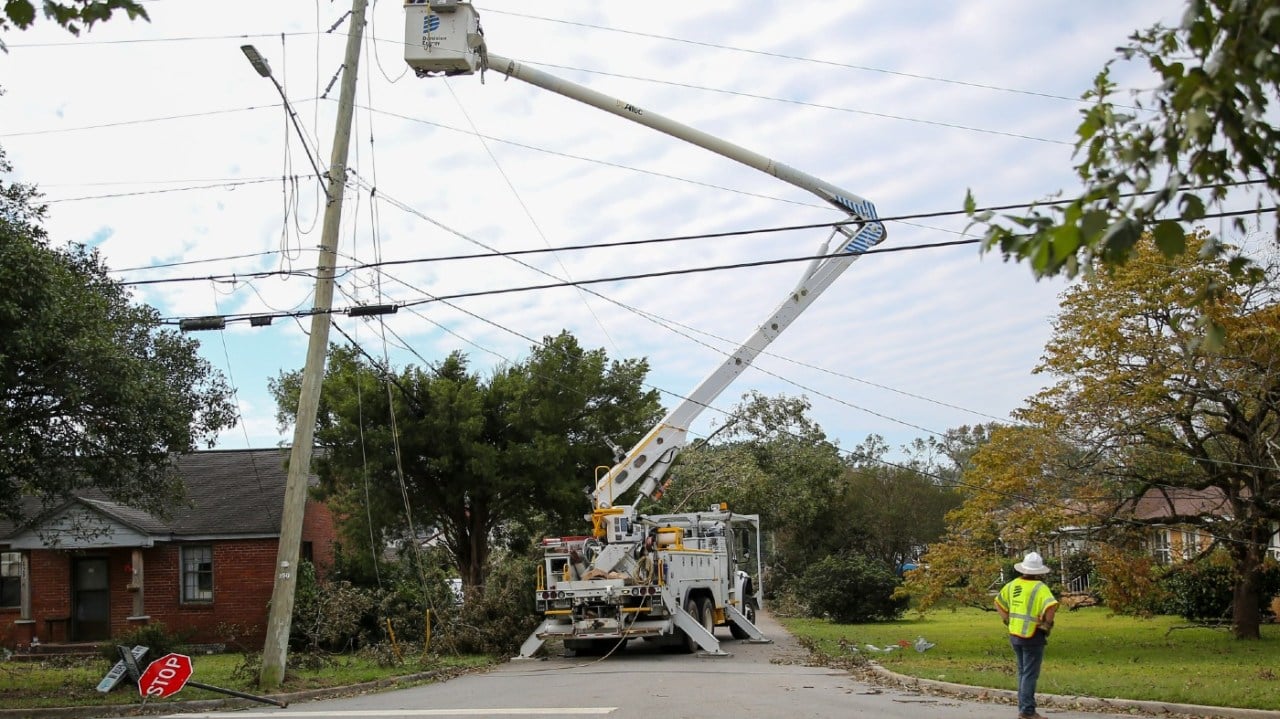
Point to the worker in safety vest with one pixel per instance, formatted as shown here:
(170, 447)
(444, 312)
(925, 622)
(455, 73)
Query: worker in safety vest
(1027, 606)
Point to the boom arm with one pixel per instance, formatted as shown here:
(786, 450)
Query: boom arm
(444, 37)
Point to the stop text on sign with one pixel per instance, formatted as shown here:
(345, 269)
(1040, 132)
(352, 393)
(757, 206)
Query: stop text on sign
(165, 676)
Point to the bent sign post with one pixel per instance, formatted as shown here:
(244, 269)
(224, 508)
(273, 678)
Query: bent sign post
(167, 676)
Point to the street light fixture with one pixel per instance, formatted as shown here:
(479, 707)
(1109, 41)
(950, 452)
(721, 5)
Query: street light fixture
(257, 60)
(260, 64)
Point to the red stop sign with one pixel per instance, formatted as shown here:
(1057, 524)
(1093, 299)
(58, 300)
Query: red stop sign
(165, 676)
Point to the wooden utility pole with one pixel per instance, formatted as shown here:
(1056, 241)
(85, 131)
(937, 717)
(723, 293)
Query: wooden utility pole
(276, 650)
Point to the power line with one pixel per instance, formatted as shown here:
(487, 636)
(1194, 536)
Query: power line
(870, 113)
(650, 275)
(162, 191)
(198, 262)
(342, 271)
(605, 245)
(783, 56)
(146, 120)
(631, 243)
(603, 280)
(183, 181)
(141, 40)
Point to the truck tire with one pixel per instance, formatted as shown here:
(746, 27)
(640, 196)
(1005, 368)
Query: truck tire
(707, 616)
(748, 611)
(694, 608)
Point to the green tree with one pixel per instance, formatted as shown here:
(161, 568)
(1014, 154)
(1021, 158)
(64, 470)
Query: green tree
(948, 457)
(1020, 488)
(768, 458)
(443, 451)
(1152, 406)
(890, 511)
(851, 589)
(74, 15)
(1159, 163)
(93, 393)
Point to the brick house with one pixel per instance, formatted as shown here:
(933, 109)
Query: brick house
(1169, 539)
(91, 569)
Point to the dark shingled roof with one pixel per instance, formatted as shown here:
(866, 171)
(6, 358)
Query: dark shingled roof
(232, 491)
(238, 491)
(1173, 503)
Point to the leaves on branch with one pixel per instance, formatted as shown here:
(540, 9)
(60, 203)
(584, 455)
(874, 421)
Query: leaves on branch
(1204, 134)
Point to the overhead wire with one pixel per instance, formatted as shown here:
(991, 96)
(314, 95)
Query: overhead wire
(82, 42)
(202, 261)
(817, 105)
(235, 395)
(528, 214)
(784, 56)
(373, 32)
(146, 120)
(677, 238)
(645, 275)
(174, 181)
(228, 185)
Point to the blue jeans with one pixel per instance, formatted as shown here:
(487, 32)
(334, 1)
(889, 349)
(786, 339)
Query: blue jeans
(1029, 657)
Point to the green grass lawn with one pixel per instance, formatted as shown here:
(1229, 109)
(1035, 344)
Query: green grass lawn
(1091, 653)
(63, 683)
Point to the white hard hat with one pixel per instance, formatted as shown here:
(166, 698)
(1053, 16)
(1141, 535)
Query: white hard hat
(1031, 564)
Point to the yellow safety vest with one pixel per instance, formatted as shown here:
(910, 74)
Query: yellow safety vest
(1025, 600)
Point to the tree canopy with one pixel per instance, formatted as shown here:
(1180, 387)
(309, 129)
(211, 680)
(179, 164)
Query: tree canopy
(73, 15)
(895, 509)
(443, 452)
(1165, 159)
(823, 510)
(1156, 407)
(768, 458)
(93, 392)
(1140, 402)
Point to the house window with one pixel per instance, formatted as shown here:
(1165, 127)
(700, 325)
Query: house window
(10, 579)
(1160, 546)
(1190, 544)
(197, 574)
(305, 552)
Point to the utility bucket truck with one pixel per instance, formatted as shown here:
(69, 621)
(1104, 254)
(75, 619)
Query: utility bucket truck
(666, 578)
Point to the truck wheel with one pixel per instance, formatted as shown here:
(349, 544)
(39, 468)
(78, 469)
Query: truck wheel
(708, 615)
(694, 609)
(748, 611)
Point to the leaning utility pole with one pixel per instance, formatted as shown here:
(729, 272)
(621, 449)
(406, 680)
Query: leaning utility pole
(275, 651)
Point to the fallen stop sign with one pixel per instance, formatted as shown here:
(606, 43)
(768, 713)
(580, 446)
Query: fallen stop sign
(165, 676)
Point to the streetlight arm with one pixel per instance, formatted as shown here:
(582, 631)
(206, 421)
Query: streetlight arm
(264, 69)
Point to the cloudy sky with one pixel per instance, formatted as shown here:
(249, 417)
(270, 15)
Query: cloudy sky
(158, 144)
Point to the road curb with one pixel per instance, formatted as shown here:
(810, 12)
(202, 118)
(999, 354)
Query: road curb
(209, 705)
(1063, 701)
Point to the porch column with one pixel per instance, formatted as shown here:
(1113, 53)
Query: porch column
(136, 587)
(24, 584)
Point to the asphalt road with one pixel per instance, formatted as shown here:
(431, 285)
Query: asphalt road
(757, 680)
